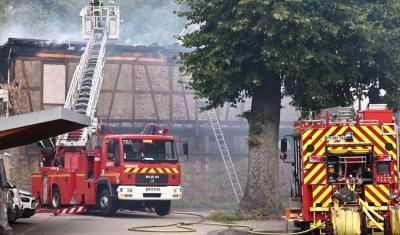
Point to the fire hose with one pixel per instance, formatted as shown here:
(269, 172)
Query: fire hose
(183, 227)
(368, 209)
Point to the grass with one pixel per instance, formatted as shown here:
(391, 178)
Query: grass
(203, 203)
(229, 217)
(223, 216)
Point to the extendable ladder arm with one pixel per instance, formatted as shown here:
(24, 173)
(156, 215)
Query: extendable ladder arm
(86, 83)
(85, 89)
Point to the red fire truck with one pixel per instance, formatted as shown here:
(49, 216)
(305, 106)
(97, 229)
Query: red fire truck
(345, 177)
(125, 172)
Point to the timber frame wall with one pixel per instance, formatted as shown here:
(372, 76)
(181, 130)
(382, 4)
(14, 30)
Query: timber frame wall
(140, 86)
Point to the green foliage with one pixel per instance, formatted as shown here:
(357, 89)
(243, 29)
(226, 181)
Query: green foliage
(256, 129)
(260, 212)
(320, 49)
(245, 114)
(252, 141)
(329, 47)
(223, 216)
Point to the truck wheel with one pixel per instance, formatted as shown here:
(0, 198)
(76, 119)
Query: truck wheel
(386, 226)
(107, 206)
(56, 198)
(162, 208)
(327, 231)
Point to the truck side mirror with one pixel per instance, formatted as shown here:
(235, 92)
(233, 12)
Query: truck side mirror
(185, 148)
(284, 145)
(110, 146)
(110, 149)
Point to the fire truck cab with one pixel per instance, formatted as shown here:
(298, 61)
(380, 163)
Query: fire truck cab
(130, 172)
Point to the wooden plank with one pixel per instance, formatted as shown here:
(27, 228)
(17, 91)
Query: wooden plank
(170, 92)
(151, 91)
(27, 85)
(133, 92)
(114, 91)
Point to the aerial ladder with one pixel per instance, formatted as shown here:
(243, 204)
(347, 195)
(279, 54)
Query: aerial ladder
(86, 83)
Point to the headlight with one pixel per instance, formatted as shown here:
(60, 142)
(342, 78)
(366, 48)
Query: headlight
(129, 190)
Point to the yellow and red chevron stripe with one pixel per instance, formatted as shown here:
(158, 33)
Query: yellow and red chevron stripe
(342, 149)
(315, 173)
(321, 197)
(377, 194)
(151, 170)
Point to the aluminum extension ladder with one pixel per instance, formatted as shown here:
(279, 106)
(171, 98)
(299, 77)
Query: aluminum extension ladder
(226, 157)
(85, 89)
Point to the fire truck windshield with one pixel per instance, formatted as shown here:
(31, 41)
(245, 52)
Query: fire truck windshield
(152, 150)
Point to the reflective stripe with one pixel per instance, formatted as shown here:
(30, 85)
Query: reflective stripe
(54, 147)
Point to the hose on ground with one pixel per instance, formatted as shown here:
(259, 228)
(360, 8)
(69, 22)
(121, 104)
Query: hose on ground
(183, 227)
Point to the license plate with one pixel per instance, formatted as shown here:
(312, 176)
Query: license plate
(153, 189)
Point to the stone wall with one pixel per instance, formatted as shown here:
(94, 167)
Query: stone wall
(202, 177)
(208, 179)
(19, 167)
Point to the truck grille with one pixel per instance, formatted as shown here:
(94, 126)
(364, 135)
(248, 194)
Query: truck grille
(148, 178)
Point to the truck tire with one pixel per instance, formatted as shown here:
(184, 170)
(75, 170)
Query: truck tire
(56, 198)
(386, 226)
(107, 206)
(162, 208)
(327, 226)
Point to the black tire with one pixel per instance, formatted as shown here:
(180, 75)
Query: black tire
(107, 206)
(162, 208)
(327, 231)
(56, 198)
(386, 226)
(365, 230)
(305, 226)
(11, 221)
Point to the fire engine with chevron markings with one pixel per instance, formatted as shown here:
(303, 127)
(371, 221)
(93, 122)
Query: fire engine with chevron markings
(345, 176)
(130, 171)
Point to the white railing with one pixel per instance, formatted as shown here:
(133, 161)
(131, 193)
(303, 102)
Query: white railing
(77, 78)
(97, 79)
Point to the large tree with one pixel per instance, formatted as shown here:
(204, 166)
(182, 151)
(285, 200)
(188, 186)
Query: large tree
(318, 50)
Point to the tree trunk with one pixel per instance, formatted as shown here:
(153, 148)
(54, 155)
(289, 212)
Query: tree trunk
(262, 188)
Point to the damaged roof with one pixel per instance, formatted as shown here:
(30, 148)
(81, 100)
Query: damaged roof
(29, 128)
(28, 47)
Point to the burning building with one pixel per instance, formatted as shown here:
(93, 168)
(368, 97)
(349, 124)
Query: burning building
(141, 85)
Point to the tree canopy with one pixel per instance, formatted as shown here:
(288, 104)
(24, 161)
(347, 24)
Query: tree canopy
(322, 53)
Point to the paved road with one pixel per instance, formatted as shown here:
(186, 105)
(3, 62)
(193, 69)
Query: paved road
(93, 223)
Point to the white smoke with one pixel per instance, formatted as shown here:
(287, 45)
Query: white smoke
(144, 24)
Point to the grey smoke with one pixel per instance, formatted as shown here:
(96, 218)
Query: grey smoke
(143, 22)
